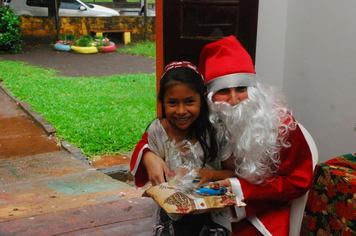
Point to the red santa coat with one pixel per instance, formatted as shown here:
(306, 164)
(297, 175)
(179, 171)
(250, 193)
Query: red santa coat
(138, 170)
(268, 205)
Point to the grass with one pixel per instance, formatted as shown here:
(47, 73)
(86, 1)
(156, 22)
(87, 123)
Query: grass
(100, 115)
(144, 48)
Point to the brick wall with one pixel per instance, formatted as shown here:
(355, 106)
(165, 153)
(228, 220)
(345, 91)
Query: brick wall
(43, 29)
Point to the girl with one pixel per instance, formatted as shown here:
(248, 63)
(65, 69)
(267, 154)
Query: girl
(185, 118)
(184, 113)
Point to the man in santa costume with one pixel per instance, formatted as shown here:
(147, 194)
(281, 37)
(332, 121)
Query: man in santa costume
(272, 158)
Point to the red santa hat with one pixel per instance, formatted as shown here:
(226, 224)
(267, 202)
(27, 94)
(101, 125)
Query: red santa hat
(225, 64)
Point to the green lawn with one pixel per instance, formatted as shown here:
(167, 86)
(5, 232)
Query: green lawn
(100, 115)
(145, 48)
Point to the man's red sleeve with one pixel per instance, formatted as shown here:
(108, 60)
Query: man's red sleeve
(137, 169)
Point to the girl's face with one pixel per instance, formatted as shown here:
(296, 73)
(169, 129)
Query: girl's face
(182, 106)
(233, 96)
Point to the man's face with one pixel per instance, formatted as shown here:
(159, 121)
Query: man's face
(233, 96)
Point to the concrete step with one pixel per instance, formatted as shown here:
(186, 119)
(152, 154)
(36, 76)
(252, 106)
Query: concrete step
(127, 217)
(56, 194)
(115, 166)
(52, 182)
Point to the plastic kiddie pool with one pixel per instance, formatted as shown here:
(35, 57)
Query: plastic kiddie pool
(109, 48)
(61, 47)
(84, 50)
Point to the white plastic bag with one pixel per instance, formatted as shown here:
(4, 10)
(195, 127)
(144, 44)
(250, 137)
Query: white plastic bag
(184, 164)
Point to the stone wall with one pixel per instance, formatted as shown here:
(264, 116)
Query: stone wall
(43, 29)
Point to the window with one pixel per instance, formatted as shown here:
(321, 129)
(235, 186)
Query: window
(38, 3)
(74, 5)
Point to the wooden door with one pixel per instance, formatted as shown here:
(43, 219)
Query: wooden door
(188, 25)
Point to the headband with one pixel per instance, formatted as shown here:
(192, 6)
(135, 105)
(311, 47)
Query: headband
(184, 64)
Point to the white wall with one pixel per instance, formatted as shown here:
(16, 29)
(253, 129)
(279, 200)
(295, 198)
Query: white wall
(308, 49)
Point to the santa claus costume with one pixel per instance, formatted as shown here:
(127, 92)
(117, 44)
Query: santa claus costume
(272, 157)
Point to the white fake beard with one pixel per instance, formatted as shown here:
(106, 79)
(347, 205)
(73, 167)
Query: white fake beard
(250, 129)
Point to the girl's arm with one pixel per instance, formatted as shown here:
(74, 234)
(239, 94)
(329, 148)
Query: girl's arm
(209, 175)
(228, 164)
(146, 165)
(156, 168)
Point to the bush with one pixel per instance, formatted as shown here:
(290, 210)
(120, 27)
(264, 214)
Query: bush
(85, 41)
(10, 37)
(69, 37)
(101, 41)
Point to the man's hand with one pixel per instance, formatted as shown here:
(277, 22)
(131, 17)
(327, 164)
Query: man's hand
(226, 183)
(156, 168)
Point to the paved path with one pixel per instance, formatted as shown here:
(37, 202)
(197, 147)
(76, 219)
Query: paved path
(76, 65)
(46, 189)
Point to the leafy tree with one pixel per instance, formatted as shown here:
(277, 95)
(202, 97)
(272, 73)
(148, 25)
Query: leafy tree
(10, 36)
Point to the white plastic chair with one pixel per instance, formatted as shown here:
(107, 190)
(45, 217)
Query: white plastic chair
(298, 205)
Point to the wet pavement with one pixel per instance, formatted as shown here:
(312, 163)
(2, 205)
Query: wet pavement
(49, 188)
(77, 64)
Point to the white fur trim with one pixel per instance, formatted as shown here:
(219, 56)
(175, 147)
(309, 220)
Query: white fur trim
(236, 189)
(138, 161)
(232, 80)
(259, 225)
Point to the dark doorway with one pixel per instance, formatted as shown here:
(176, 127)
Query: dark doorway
(188, 25)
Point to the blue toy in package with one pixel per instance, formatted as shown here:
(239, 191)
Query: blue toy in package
(211, 189)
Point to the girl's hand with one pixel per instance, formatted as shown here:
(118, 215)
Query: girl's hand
(205, 176)
(156, 168)
(226, 183)
(209, 175)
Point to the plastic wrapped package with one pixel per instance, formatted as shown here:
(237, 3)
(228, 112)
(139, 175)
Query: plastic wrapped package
(180, 194)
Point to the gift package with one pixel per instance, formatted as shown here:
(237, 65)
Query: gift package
(180, 194)
(183, 201)
(331, 205)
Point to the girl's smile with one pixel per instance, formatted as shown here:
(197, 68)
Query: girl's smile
(182, 107)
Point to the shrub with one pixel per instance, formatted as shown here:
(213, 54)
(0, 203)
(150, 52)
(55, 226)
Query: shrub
(68, 37)
(10, 37)
(85, 41)
(101, 41)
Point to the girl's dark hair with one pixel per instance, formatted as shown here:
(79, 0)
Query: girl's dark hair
(201, 129)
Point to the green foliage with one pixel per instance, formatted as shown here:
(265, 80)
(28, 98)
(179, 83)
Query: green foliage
(101, 41)
(144, 48)
(10, 37)
(99, 115)
(86, 41)
(69, 37)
